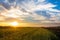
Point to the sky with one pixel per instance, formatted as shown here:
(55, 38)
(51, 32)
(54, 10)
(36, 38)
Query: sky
(34, 11)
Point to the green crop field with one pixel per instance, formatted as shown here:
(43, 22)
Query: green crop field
(26, 33)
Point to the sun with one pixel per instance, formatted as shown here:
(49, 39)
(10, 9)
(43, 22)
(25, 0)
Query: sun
(14, 24)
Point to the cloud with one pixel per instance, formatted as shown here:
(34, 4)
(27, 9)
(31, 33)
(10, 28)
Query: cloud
(34, 10)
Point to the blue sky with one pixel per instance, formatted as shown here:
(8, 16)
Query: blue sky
(42, 11)
(56, 2)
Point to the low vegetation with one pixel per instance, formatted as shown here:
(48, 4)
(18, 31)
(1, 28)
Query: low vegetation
(26, 33)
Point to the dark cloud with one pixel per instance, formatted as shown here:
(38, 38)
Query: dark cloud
(43, 13)
(11, 1)
(6, 5)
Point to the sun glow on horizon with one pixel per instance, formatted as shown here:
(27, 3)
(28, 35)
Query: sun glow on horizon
(14, 24)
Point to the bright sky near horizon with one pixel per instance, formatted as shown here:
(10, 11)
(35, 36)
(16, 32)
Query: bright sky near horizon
(36, 11)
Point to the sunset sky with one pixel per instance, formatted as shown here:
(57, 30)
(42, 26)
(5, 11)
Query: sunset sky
(30, 11)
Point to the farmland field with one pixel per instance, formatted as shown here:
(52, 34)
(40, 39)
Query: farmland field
(26, 33)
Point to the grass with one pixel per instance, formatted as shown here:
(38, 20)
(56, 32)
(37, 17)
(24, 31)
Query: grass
(26, 33)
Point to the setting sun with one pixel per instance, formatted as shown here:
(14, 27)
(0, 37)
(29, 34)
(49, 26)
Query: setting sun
(14, 24)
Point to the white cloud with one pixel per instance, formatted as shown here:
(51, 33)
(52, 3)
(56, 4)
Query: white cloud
(29, 9)
(38, 17)
(40, 0)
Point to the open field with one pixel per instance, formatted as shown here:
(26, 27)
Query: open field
(27, 33)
